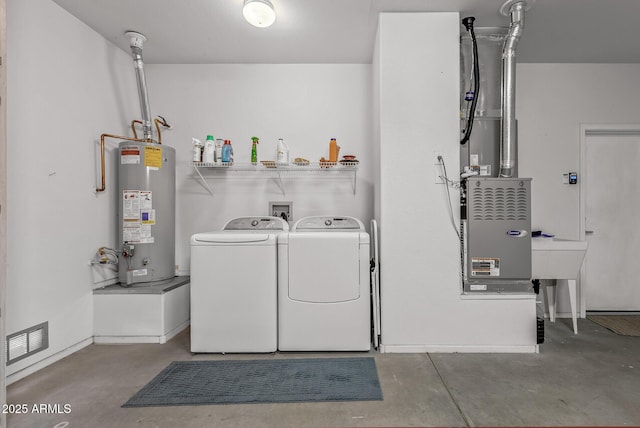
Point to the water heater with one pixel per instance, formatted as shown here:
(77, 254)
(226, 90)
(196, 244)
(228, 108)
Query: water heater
(146, 231)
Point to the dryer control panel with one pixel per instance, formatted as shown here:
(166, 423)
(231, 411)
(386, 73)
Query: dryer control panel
(256, 223)
(328, 223)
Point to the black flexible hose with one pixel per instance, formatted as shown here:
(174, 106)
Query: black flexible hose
(468, 23)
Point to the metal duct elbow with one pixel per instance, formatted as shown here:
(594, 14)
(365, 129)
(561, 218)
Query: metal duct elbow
(508, 128)
(136, 41)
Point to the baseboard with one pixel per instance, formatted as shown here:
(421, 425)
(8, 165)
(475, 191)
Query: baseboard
(498, 349)
(111, 340)
(125, 340)
(22, 373)
(175, 331)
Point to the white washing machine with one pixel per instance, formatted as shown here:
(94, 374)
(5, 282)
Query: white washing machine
(324, 288)
(234, 286)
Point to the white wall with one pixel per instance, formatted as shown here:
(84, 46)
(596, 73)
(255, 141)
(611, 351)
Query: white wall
(422, 307)
(553, 100)
(66, 86)
(419, 256)
(304, 104)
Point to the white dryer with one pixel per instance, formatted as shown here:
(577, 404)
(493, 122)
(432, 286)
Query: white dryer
(324, 289)
(234, 285)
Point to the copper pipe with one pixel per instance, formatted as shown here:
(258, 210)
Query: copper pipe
(161, 121)
(133, 127)
(156, 121)
(102, 166)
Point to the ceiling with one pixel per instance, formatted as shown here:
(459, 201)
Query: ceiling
(343, 31)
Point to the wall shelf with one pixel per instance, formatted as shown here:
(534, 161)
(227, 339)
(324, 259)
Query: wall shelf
(278, 172)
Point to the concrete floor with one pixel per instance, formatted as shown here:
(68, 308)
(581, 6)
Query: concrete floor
(589, 379)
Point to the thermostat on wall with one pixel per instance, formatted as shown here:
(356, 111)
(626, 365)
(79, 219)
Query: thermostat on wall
(570, 178)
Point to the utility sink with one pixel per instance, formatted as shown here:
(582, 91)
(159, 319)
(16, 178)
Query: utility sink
(553, 258)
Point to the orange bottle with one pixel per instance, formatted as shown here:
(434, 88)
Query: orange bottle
(334, 150)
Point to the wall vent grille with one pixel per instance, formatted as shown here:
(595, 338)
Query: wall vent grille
(27, 342)
(500, 203)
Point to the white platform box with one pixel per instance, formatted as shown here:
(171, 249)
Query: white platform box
(142, 313)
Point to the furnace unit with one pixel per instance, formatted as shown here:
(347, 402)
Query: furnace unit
(497, 235)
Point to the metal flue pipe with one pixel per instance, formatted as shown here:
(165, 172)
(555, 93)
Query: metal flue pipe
(136, 41)
(508, 130)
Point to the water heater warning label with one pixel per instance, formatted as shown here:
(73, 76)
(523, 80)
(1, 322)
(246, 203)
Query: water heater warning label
(485, 266)
(131, 205)
(148, 216)
(130, 155)
(146, 201)
(153, 157)
(138, 216)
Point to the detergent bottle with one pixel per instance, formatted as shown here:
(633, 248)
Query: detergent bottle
(227, 152)
(334, 150)
(209, 150)
(282, 153)
(254, 150)
(218, 152)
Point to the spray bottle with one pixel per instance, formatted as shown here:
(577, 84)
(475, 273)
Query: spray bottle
(254, 150)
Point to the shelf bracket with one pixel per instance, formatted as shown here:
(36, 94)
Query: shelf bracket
(354, 182)
(280, 183)
(204, 182)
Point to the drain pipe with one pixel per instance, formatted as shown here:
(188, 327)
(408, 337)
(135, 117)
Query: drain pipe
(136, 41)
(508, 130)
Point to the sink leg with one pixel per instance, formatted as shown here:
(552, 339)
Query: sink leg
(550, 291)
(572, 300)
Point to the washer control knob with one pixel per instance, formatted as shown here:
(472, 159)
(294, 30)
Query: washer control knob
(254, 223)
(327, 222)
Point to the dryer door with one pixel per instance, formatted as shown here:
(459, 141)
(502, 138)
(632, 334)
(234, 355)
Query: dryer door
(324, 267)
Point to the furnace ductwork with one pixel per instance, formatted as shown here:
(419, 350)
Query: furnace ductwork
(508, 127)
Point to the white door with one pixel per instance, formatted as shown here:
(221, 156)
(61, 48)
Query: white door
(612, 226)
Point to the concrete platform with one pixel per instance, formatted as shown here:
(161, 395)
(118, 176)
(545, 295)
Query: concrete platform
(144, 313)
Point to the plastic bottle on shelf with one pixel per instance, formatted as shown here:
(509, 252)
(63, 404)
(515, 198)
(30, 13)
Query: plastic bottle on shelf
(282, 153)
(334, 150)
(197, 150)
(209, 150)
(254, 150)
(218, 152)
(227, 152)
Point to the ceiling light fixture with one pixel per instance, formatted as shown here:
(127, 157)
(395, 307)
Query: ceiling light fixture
(259, 13)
